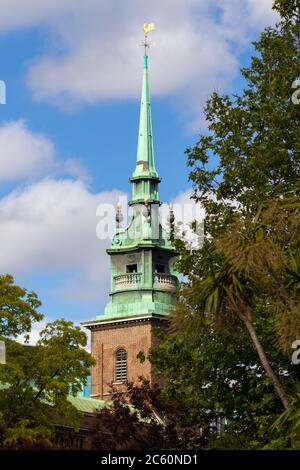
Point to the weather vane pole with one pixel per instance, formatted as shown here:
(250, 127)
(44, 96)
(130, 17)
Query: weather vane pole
(148, 28)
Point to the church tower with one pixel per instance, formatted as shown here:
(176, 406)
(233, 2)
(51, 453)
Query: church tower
(143, 281)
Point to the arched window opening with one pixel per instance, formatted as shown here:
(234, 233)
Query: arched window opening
(121, 365)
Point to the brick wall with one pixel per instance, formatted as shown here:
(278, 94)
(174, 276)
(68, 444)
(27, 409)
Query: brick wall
(133, 337)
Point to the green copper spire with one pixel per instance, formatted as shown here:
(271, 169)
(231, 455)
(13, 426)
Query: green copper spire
(145, 177)
(145, 153)
(143, 277)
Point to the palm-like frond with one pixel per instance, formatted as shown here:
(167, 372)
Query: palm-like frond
(290, 419)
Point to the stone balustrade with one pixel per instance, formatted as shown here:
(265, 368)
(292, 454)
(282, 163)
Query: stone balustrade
(165, 281)
(127, 281)
(133, 281)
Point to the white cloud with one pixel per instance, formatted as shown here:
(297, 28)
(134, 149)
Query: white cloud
(51, 227)
(23, 153)
(240, 20)
(24, 13)
(94, 54)
(89, 73)
(34, 335)
(38, 327)
(74, 168)
(186, 211)
(261, 12)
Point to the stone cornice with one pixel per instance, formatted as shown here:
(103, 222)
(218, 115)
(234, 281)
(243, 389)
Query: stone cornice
(99, 324)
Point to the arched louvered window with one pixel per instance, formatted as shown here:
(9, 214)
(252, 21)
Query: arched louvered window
(121, 365)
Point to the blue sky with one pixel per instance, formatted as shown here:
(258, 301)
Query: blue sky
(68, 132)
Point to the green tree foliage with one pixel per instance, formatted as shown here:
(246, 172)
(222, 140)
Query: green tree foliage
(140, 418)
(239, 310)
(252, 149)
(18, 308)
(254, 267)
(36, 380)
(265, 249)
(213, 374)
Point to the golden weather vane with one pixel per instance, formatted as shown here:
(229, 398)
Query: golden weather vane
(148, 28)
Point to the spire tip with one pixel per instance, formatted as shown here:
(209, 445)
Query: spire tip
(148, 28)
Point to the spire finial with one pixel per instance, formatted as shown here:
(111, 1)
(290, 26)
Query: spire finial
(148, 28)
